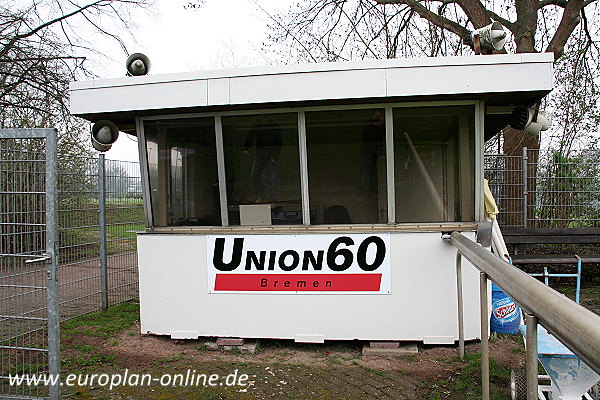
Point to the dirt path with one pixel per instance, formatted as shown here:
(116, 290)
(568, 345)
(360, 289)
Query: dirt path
(23, 293)
(284, 370)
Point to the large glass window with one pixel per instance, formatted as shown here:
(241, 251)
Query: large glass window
(434, 163)
(434, 167)
(182, 166)
(262, 166)
(346, 166)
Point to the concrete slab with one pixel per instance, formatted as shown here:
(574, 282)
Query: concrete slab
(248, 347)
(384, 345)
(230, 342)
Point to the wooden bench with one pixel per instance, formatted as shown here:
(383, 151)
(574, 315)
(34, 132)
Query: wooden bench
(551, 235)
(555, 259)
(523, 236)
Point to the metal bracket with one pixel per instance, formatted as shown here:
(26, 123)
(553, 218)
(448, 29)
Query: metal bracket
(484, 233)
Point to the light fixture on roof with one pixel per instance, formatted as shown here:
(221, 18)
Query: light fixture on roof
(137, 64)
(490, 37)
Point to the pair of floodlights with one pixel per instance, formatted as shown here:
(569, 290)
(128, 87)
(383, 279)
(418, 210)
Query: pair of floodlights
(105, 133)
(528, 119)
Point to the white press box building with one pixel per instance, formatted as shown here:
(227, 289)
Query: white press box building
(308, 202)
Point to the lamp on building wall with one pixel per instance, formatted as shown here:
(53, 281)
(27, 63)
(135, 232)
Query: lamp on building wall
(137, 64)
(530, 120)
(104, 134)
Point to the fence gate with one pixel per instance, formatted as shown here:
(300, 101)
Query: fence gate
(29, 341)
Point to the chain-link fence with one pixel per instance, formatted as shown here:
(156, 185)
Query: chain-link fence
(28, 301)
(98, 262)
(546, 191)
(99, 208)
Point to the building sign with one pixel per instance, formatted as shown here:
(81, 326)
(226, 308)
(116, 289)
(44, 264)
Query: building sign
(327, 263)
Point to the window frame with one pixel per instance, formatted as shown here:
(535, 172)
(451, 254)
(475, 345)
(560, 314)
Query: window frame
(479, 108)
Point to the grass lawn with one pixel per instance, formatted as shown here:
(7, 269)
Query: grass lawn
(80, 231)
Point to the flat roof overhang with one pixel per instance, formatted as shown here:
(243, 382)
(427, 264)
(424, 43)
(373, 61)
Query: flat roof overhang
(501, 80)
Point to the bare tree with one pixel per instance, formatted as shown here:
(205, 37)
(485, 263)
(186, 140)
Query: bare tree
(42, 48)
(521, 17)
(535, 26)
(331, 30)
(336, 30)
(575, 100)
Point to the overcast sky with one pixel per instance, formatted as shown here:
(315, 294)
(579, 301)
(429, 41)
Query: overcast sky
(221, 34)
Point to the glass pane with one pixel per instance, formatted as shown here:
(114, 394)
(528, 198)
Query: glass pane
(347, 166)
(182, 164)
(434, 163)
(262, 166)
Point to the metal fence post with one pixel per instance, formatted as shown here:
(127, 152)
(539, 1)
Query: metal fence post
(485, 349)
(525, 194)
(102, 223)
(459, 293)
(531, 356)
(52, 264)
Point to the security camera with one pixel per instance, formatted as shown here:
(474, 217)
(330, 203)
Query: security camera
(490, 37)
(104, 134)
(530, 120)
(137, 64)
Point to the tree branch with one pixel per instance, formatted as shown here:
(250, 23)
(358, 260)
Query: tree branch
(476, 12)
(569, 21)
(508, 24)
(35, 30)
(429, 15)
(287, 30)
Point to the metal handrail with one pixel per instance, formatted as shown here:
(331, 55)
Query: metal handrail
(575, 326)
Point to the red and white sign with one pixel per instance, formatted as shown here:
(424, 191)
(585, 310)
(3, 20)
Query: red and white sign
(327, 263)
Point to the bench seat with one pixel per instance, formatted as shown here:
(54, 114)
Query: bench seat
(554, 259)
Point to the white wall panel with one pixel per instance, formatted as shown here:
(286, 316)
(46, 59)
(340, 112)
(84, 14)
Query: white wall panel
(218, 92)
(308, 86)
(466, 79)
(148, 96)
(422, 307)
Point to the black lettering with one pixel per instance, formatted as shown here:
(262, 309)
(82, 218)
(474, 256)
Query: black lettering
(236, 255)
(301, 284)
(333, 252)
(275, 284)
(263, 283)
(286, 284)
(309, 257)
(272, 258)
(327, 283)
(295, 260)
(361, 255)
(315, 283)
(258, 263)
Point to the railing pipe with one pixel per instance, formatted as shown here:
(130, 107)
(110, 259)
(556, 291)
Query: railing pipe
(576, 327)
(459, 295)
(531, 356)
(485, 345)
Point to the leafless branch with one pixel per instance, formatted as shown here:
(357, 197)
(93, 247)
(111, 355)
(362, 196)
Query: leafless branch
(436, 19)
